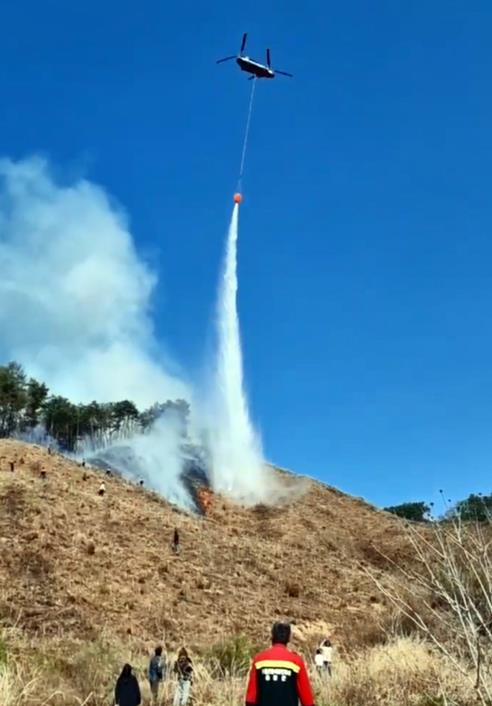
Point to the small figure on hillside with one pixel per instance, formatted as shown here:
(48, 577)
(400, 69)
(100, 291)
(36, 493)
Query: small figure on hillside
(85, 476)
(12, 466)
(83, 463)
(157, 672)
(49, 451)
(42, 473)
(319, 662)
(279, 676)
(102, 489)
(108, 472)
(141, 483)
(327, 653)
(127, 690)
(175, 544)
(183, 668)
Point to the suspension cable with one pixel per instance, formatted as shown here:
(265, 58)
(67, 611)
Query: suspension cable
(246, 135)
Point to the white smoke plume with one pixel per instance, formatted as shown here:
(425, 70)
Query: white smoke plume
(74, 294)
(75, 312)
(154, 457)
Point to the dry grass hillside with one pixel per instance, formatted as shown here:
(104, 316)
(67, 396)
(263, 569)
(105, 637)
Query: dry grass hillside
(76, 564)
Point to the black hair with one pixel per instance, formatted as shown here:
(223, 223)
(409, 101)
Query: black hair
(281, 633)
(126, 671)
(158, 651)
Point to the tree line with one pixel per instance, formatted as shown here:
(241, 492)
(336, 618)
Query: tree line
(477, 507)
(27, 404)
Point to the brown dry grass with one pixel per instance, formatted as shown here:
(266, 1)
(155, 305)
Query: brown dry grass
(404, 672)
(88, 583)
(75, 564)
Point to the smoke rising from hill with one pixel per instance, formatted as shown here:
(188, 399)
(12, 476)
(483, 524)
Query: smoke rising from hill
(75, 311)
(74, 294)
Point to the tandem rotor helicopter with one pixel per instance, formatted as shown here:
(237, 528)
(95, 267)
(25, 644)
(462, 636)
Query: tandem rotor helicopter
(257, 70)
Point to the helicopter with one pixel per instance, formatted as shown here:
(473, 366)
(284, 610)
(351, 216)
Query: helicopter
(247, 64)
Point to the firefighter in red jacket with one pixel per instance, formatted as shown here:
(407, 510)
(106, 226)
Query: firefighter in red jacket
(278, 676)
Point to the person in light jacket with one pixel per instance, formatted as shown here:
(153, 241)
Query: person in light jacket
(327, 651)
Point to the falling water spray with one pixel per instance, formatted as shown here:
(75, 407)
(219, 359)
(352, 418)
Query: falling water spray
(238, 468)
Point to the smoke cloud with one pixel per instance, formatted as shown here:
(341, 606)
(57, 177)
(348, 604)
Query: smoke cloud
(75, 312)
(74, 294)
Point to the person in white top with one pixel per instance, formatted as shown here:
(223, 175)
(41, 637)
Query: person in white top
(326, 649)
(319, 661)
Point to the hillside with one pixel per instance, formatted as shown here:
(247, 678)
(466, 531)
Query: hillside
(72, 562)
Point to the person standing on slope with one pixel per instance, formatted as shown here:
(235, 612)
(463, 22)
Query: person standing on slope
(175, 544)
(183, 668)
(279, 677)
(319, 662)
(157, 672)
(326, 649)
(127, 691)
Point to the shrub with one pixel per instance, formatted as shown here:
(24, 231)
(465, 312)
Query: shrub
(475, 508)
(231, 657)
(3, 652)
(416, 512)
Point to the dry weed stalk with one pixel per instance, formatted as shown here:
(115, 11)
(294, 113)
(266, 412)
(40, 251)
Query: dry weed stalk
(451, 599)
(402, 672)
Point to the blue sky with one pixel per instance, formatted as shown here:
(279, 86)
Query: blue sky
(365, 235)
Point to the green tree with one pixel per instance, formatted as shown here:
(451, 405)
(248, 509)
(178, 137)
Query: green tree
(36, 395)
(90, 419)
(12, 397)
(25, 404)
(416, 512)
(475, 508)
(123, 413)
(61, 419)
(180, 409)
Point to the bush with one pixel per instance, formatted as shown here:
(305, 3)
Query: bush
(3, 652)
(476, 508)
(416, 512)
(231, 657)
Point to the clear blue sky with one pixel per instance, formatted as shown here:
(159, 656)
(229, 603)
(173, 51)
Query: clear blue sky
(366, 234)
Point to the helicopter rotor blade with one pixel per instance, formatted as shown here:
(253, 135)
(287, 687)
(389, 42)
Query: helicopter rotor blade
(243, 43)
(269, 63)
(227, 58)
(284, 73)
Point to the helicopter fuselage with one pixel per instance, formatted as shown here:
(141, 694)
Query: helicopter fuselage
(253, 67)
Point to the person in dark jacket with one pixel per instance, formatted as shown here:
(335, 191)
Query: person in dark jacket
(157, 672)
(175, 544)
(278, 676)
(127, 691)
(183, 668)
